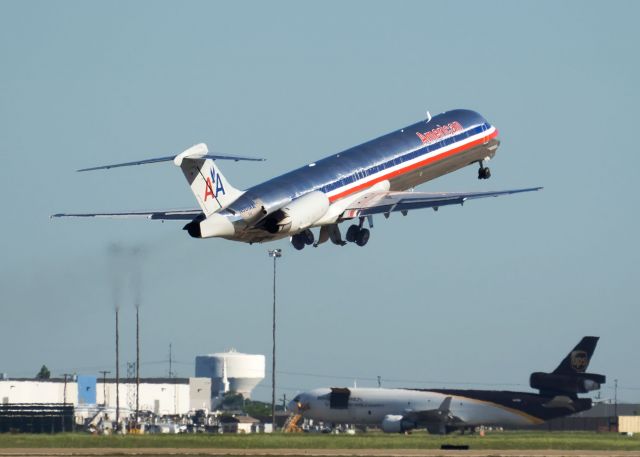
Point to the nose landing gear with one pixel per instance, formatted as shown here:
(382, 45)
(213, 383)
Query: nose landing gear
(483, 172)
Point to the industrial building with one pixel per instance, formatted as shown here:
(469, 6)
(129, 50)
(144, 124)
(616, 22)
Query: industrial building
(162, 396)
(216, 374)
(60, 404)
(85, 396)
(38, 391)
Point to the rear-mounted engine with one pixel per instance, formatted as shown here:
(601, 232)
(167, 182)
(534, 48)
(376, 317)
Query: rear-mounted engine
(579, 383)
(298, 215)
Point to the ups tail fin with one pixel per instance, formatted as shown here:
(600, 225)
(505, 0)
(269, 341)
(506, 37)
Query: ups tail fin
(577, 361)
(208, 184)
(570, 378)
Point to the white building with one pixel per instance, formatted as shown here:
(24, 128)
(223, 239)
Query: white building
(38, 391)
(163, 396)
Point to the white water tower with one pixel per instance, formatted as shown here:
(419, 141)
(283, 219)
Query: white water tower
(231, 371)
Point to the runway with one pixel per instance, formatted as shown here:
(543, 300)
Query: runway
(150, 452)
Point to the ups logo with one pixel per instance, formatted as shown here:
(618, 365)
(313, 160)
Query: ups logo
(579, 361)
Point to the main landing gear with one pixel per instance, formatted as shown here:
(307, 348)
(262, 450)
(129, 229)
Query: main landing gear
(355, 234)
(483, 172)
(302, 239)
(358, 234)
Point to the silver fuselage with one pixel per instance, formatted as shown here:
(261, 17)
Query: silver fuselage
(398, 161)
(369, 406)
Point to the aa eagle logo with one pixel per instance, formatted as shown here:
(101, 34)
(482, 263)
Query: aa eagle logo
(579, 361)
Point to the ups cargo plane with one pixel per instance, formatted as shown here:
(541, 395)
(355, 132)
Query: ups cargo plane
(352, 185)
(445, 410)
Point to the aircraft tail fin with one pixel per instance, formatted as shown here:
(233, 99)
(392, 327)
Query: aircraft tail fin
(211, 188)
(577, 361)
(208, 184)
(570, 377)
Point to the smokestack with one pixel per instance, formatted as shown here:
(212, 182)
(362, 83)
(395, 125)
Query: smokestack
(126, 261)
(137, 360)
(117, 373)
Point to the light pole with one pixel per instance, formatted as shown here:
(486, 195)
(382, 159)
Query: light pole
(275, 253)
(615, 396)
(104, 387)
(64, 401)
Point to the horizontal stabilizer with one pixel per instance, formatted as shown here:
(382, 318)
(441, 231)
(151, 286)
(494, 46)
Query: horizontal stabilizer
(177, 214)
(199, 147)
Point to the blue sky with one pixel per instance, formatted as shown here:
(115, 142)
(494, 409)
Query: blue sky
(480, 295)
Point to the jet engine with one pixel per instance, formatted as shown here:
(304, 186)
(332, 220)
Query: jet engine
(393, 423)
(212, 226)
(566, 383)
(298, 215)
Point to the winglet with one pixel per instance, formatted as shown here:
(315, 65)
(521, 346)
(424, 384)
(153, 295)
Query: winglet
(445, 406)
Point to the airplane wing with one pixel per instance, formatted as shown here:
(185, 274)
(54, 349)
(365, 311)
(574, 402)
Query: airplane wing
(435, 420)
(388, 202)
(177, 214)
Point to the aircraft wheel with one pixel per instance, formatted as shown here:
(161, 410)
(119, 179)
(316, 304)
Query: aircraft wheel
(297, 242)
(307, 237)
(352, 233)
(363, 237)
(484, 173)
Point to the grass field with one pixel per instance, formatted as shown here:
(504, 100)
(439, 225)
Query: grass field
(501, 440)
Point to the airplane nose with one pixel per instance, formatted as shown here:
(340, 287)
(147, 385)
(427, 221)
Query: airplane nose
(299, 404)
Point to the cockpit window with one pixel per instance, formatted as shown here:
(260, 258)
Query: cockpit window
(296, 398)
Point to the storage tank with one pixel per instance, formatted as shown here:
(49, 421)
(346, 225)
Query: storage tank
(231, 371)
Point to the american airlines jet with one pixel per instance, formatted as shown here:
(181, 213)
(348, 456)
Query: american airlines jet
(353, 185)
(445, 410)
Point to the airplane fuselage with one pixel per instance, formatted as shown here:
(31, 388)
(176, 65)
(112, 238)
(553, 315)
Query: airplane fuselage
(370, 406)
(397, 161)
(355, 184)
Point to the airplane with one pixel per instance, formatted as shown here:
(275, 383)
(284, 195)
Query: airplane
(442, 411)
(376, 177)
